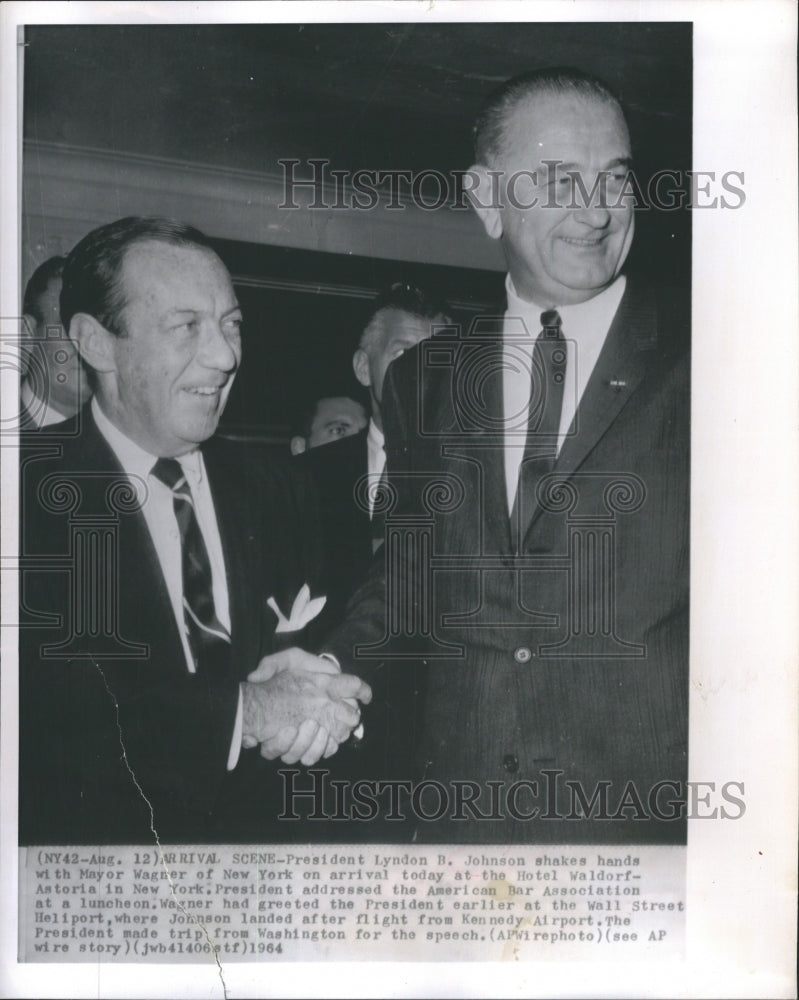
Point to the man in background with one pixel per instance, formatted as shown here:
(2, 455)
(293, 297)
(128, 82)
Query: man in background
(398, 318)
(54, 383)
(348, 476)
(162, 568)
(327, 420)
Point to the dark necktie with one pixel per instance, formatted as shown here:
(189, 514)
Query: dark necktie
(543, 424)
(208, 639)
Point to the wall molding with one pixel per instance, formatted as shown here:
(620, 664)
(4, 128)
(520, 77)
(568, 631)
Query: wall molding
(68, 190)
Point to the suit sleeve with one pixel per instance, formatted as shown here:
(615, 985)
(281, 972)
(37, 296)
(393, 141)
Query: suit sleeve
(366, 620)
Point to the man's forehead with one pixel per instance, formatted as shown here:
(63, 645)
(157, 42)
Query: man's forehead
(400, 325)
(557, 124)
(150, 265)
(154, 254)
(336, 408)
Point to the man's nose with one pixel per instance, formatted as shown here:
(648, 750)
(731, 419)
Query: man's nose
(595, 216)
(216, 350)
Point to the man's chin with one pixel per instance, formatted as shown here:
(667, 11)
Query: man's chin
(585, 284)
(193, 434)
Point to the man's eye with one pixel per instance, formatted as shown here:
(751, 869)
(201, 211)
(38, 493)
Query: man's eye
(189, 326)
(337, 430)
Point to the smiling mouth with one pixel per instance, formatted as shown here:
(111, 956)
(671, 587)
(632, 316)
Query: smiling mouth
(575, 242)
(204, 390)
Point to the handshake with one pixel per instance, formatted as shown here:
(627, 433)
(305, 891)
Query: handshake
(300, 707)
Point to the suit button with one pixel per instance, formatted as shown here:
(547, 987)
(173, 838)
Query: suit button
(523, 654)
(511, 763)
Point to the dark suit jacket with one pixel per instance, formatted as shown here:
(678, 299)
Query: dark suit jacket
(569, 660)
(347, 553)
(346, 530)
(112, 725)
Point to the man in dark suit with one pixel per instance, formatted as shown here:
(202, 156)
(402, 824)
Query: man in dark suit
(347, 476)
(538, 543)
(347, 473)
(159, 570)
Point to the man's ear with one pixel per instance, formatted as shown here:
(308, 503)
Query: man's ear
(484, 194)
(95, 344)
(360, 365)
(297, 445)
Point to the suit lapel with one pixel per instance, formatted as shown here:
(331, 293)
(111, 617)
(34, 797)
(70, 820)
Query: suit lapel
(618, 372)
(483, 417)
(351, 471)
(142, 585)
(240, 549)
(496, 520)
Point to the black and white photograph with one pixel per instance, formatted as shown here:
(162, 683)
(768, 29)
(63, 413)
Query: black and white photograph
(378, 504)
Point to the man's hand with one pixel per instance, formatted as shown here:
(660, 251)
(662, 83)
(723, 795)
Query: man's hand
(292, 659)
(294, 743)
(300, 714)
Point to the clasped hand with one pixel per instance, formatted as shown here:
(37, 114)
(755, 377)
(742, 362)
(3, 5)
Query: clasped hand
(300, 707)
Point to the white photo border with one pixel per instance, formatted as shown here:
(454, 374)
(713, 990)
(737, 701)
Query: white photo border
(741, 892)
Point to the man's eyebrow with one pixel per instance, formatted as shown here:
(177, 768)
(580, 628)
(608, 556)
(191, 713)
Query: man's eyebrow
(190, 311)
(619, 161)
(180, 311)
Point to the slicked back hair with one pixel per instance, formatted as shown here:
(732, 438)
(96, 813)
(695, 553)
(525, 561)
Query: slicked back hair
(404, 298)
(490, 129)
(92, 278)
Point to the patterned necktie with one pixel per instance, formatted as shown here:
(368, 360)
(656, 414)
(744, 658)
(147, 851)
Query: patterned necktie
(543, 424)
(207, 637)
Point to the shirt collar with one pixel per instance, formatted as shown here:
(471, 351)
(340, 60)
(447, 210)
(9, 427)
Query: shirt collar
(579, 320)
(375, 436)
(134, 459)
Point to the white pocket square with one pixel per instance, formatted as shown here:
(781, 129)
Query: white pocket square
(303, 610)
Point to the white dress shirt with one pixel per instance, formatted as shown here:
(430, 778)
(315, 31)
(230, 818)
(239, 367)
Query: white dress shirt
(157, 506)
(375, 456)
(585, 329)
